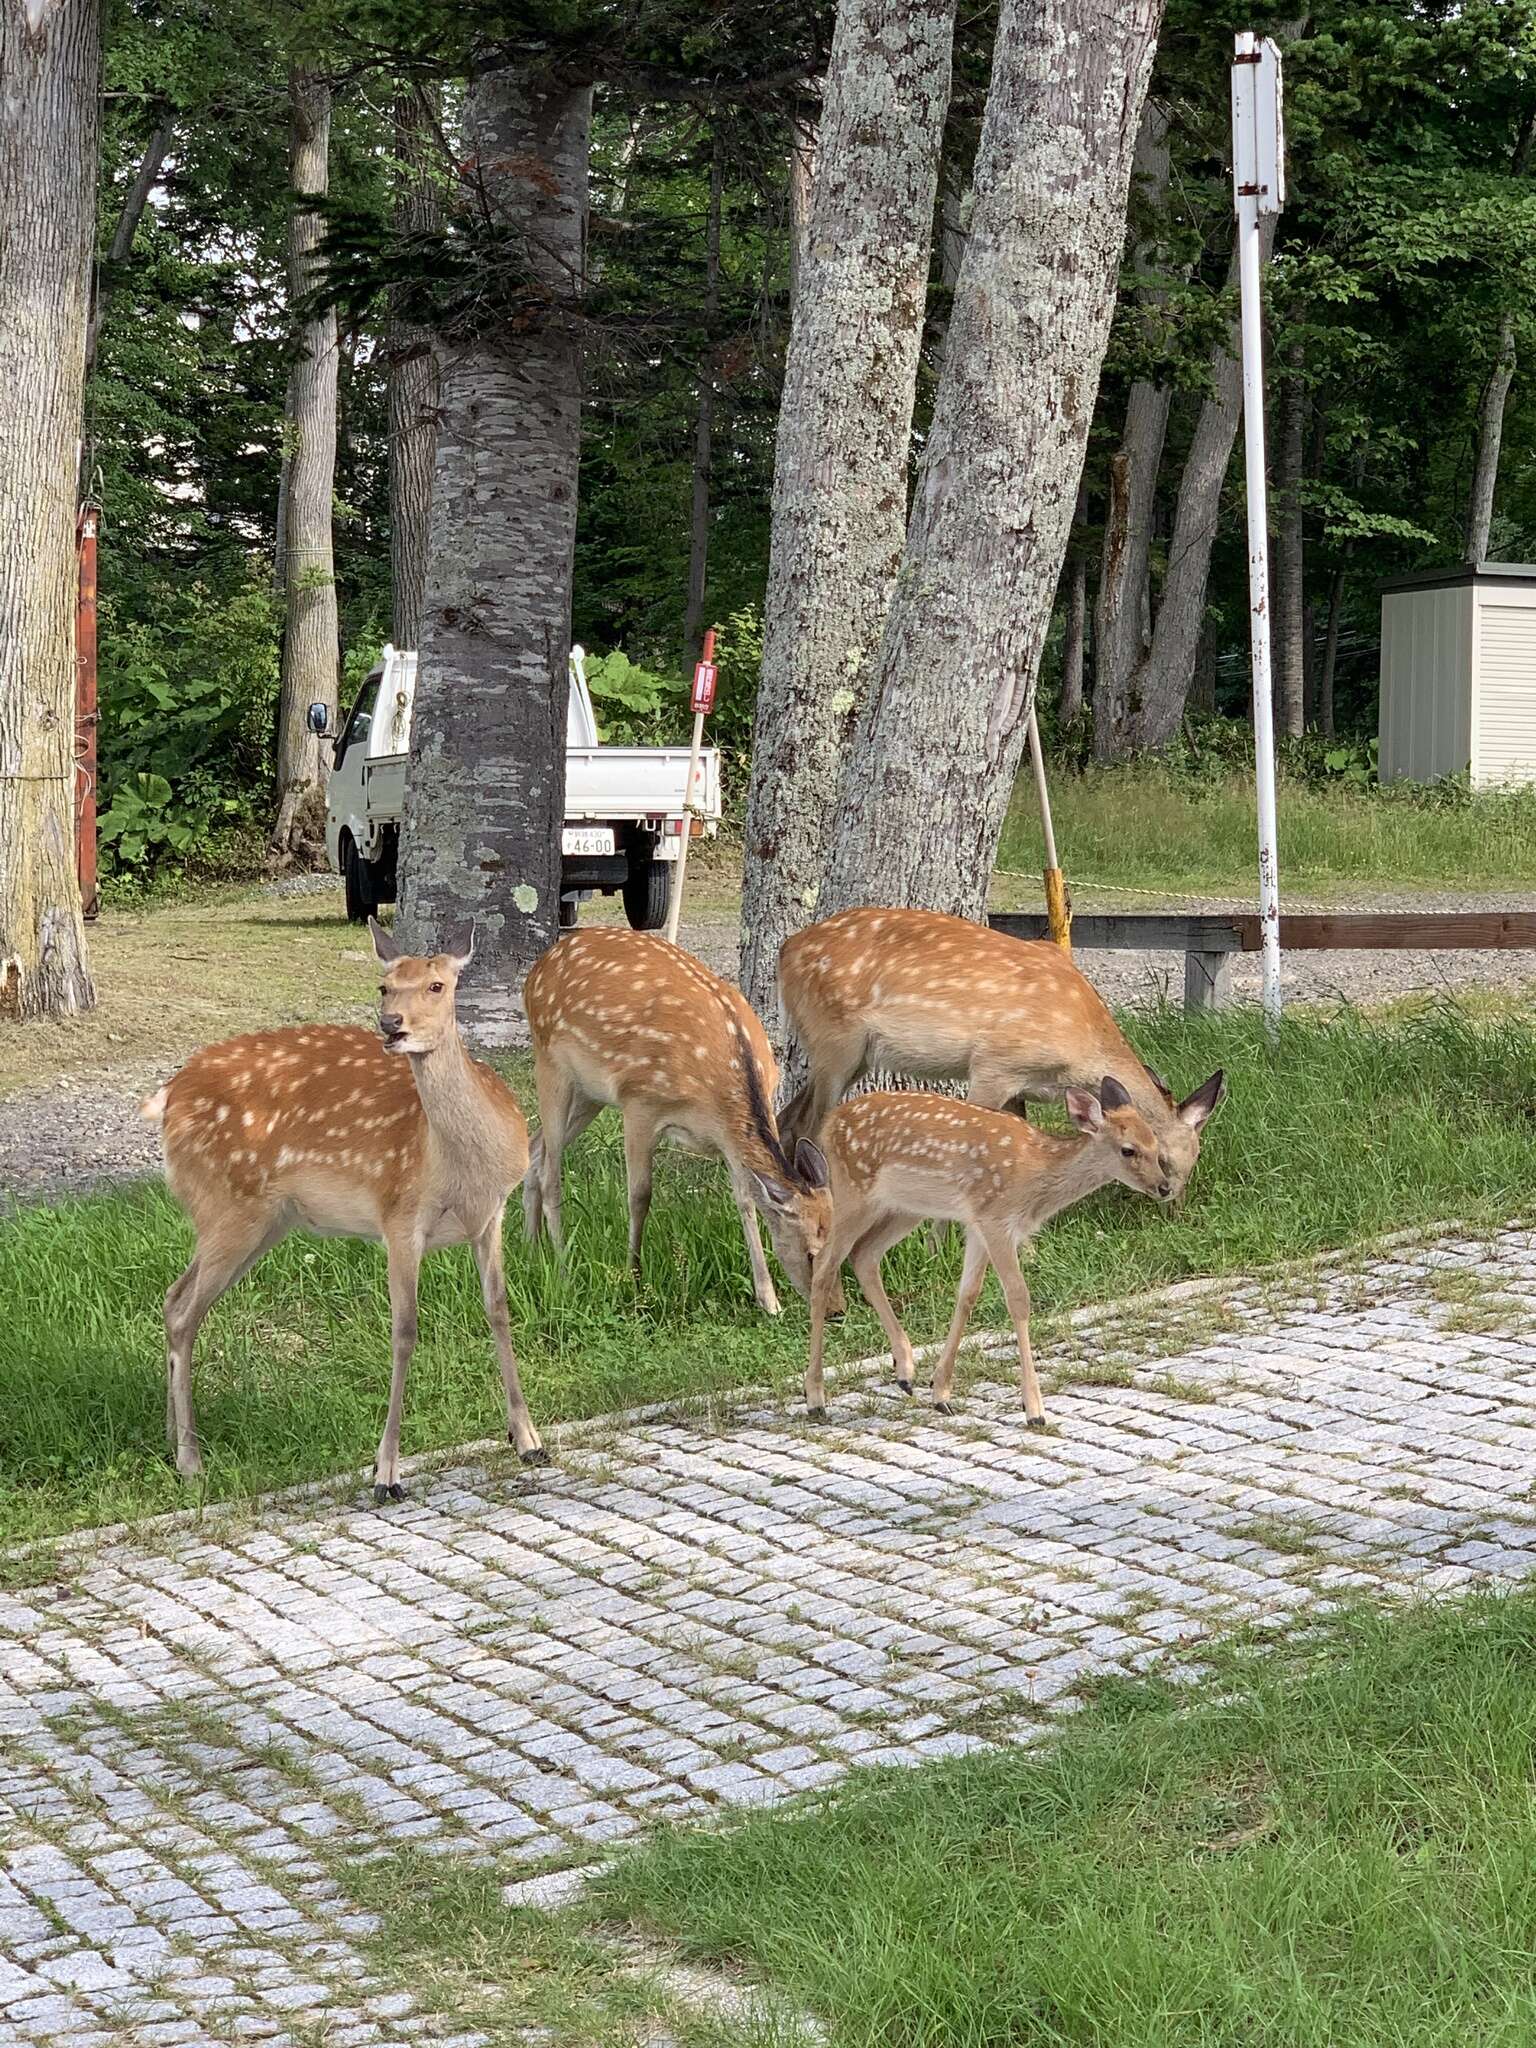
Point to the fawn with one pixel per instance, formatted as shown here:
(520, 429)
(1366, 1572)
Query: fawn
(401, 1138)
(898, 1160)
(916, 992)
(625, 1018)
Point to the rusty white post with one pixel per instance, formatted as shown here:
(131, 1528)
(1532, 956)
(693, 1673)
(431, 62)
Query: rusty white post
(85, 711)
(703, 701)
(1258, 188)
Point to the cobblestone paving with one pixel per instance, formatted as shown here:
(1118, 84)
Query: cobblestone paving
(687, 1615)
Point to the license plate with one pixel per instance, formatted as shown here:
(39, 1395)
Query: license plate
(586, 839)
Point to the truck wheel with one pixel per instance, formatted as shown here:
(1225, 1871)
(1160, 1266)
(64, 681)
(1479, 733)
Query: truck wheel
(357, 881)
(646, 889)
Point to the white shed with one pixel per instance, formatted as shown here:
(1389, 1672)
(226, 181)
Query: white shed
(1458, 675)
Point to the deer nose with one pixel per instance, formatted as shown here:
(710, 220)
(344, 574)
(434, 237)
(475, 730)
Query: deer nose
(1165, 1188)
(390, 1021)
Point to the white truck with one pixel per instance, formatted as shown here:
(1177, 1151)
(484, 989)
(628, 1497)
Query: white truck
(626, 808)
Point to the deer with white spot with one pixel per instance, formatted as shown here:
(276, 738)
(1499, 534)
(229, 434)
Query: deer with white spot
(916, 992)
(400, 1137)
(896, 1161)
(626, 1019)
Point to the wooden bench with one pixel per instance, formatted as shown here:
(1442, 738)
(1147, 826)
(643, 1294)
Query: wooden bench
(1209, 939)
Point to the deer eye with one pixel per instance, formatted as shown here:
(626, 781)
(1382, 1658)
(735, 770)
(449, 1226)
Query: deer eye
(435, 989)
(1127, 1151)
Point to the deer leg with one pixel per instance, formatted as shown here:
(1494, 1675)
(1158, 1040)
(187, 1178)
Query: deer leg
(533, 1189)
(563, 1115)
(763, 1290)
(865, 1259)
(640, 1127)
(971, 1278)
(1005, 1258)
(833, 1070)
(825, 1271)
(493, 1287)
(225, 1254)
(404, 1268)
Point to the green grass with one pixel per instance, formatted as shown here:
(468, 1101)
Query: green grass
(1145, 827)
(1335, 1851)
(1351, 1130)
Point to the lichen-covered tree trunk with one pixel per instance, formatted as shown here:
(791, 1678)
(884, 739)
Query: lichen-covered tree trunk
(845, 425)
(485, 793)
(413, 378)
(942, 729)
(1288, 552)
(50, 59)
(311, 649)
(1162, 683)
(802, 183)
(1122, 619)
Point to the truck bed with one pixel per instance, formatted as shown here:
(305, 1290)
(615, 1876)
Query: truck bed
(600, 782)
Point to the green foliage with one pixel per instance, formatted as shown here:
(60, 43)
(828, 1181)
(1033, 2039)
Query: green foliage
(630, 701)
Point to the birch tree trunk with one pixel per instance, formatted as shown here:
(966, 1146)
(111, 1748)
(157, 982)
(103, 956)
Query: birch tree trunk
(1162, 684)
(941, 732)
(1288, 553)
(311, 651)
(704, 423)
(845, 426)
(485, 792)
(50, 61)
(1122, 620)
(413, 377)
(1490, 437)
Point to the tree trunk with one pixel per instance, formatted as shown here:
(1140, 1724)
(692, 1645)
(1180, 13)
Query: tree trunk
(485, 795)
(1122, 620)
(845, 425)
(50, 61)
(311, 652)
(1329, 662)
(1490, 435)
(1202, 688)
(413, 376)
(144, 181)
(1288, 553)
(704, 424)
(1163, 682)
(1074, 641)
(941, 732)
(802, 183)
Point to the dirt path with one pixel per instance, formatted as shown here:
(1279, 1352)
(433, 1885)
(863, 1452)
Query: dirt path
(178, 977)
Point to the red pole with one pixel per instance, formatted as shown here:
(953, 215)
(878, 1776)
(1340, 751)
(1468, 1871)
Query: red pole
(85, 712)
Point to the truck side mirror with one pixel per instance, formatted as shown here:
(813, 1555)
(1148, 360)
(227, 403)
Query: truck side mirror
(318, 720)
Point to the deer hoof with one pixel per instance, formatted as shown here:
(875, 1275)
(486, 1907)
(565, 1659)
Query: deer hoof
(1034, 1422)
(537, 1456)
(381, 1494)
(943, 1408)
(905, 1385)
(816, 1414)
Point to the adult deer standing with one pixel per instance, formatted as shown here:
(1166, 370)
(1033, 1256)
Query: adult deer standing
(899, 1160)
(916, 992)
(625, 1018)
(402, 1138)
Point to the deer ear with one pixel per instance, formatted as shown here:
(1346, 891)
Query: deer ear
(1205, 1101)
(1161, 1085)
(383, 945)
(1084, 1109)
(772, 1194)
(811, 1164)
(459, 948)
(1113, 1094)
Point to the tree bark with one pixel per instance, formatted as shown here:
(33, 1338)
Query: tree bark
(1288, 553)
(1074, 642)
(311, 650)
(845, 426)
(485, 793)
(1329, 663)
(50, 63)
(150, 165)
(802, 183)
(413, 376)
(1163, 682)
(941, 732)
(704, 423)
(1490, 436)
(1122, 621)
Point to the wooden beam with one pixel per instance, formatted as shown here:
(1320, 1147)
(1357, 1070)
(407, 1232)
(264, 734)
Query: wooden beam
(1446, 931)
(1133, 931)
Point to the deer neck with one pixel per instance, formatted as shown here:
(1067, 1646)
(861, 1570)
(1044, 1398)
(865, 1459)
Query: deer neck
(1074, 1167)
(454, 1104)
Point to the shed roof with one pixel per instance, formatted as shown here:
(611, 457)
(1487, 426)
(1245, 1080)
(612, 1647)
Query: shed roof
(1456, 574)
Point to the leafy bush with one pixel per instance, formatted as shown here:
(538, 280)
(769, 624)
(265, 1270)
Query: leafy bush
(187, 707)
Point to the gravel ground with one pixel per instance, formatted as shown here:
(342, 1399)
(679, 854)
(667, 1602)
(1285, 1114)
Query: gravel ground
(79, 1133)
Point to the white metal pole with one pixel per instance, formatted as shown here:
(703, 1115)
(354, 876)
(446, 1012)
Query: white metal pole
(680, 865)
(1248, 202)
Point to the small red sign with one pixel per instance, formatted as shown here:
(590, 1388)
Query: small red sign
(703, 698)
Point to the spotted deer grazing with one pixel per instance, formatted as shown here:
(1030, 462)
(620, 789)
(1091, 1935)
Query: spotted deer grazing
(896, 1161)
(916, 992)
(400, 1137)
(625, 1018)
